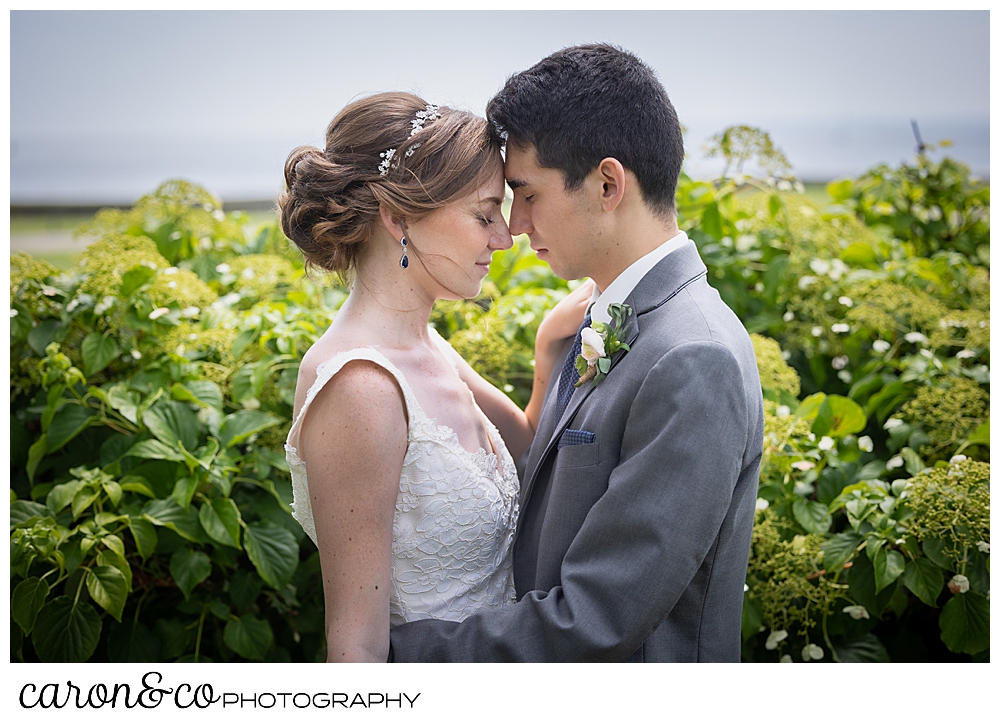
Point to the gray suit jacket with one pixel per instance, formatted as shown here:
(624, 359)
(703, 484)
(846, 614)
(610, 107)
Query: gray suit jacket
(634, 546)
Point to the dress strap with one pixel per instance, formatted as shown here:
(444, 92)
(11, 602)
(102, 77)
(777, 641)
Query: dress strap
(416, 419)
(328, 369)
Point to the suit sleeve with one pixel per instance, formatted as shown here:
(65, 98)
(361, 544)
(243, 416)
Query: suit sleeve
(641, 543)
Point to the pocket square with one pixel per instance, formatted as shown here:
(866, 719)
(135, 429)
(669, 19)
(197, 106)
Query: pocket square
(571, 437)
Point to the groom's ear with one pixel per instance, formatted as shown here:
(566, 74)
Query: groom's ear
(611, 174)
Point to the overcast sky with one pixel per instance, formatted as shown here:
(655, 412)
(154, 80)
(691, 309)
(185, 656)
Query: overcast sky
(167, 77)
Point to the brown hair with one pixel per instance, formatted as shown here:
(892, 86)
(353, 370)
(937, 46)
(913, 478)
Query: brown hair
(332, 196)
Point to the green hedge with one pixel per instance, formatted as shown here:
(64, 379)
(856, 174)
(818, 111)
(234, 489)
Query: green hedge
(151, 391)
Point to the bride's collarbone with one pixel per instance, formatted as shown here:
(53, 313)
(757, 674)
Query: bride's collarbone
(446, 399)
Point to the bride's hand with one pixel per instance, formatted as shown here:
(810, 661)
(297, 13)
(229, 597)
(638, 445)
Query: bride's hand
(564, 319)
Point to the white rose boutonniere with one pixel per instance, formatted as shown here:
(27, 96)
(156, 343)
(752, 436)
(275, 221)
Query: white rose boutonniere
(599, 343)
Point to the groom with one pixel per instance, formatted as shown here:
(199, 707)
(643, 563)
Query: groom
(637, 497)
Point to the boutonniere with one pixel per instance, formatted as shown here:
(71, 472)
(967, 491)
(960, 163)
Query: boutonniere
(599, 343)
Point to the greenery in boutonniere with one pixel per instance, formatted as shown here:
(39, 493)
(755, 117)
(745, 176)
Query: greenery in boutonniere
(600, 342)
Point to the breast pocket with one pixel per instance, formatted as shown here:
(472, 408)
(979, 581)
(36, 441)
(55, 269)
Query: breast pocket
(577, 448)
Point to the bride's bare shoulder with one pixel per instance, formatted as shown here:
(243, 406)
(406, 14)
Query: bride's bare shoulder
(355, 373)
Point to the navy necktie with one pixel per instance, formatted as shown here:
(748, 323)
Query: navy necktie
(569, 376)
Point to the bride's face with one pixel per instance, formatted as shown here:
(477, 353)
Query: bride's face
(456, 242)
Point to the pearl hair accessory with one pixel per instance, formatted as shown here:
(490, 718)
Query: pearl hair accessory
(431, 112)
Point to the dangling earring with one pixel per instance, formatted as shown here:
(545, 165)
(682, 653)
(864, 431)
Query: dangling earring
(404, 261)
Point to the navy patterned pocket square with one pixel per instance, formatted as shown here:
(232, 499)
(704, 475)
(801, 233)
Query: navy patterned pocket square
(571, 437)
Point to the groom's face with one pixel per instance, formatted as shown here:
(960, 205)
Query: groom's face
(556, 221)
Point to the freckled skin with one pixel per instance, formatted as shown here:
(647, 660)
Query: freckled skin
(354, 435)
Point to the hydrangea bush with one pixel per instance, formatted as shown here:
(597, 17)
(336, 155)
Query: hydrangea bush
(152, 389)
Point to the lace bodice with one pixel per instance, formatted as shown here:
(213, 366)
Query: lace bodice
(455, 512)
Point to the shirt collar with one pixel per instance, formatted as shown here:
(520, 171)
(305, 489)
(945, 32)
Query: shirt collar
(619, 289)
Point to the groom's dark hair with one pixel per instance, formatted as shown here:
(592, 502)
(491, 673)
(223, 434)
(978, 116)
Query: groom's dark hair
(586, 103)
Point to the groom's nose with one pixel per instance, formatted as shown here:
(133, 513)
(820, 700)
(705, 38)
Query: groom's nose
(520, 220)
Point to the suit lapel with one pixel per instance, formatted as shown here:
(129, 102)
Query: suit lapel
(664, 281)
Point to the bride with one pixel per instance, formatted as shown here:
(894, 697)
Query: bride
(401, 454)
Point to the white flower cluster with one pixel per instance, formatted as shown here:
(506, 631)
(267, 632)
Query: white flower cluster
(858, 612)
(774, 638)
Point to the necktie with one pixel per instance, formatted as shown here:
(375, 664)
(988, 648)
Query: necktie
(569, 376)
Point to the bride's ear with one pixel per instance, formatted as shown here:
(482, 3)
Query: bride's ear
(393, 224)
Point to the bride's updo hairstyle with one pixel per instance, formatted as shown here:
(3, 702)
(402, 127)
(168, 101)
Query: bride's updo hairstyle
(330, 205)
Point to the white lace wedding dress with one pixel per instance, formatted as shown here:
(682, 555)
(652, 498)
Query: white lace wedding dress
(455, 512)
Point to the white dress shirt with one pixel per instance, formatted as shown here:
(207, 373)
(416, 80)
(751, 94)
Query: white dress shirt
(619, 289)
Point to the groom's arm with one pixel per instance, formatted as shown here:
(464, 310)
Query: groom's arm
(641, 543)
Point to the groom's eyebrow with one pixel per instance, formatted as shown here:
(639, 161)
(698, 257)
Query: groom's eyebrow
(515, 183)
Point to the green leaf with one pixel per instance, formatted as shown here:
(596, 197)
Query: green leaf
(872, 470)
(69, 421)
(924, 579)
(44, 334)
(965, 623)
(27, 599)
(221, 520)
(22, 511)
(188, 568)
(238, 426)
(203, 457)
(244, 587)
(604, 365)
(867, 649)
(824, 419)
(889, 565)
(861, 585)
(809, 407)
(61, 495)
(66, 632)
(848, 416)
(35, 454)
(711, 221)
(83, 500)
(859, 254)
(167, 513)
(840, 549)
(273, 551)
(155, 449)
(172, 422)
(840, 191)
(134, 279)
(124, 402)
(184, 490)
(813, 516)
(115, 557)
(914, 465)
(98, 350)
(199, 391)
(980, 436)
(241, 387)
(135, 483)
(249, 637)
(242, 341)
(753, 617)
(219, 609)
(108, 588)
(934, 550)
(144, 534)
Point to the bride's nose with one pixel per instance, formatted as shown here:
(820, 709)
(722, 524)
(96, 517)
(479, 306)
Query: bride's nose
(501, 240)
